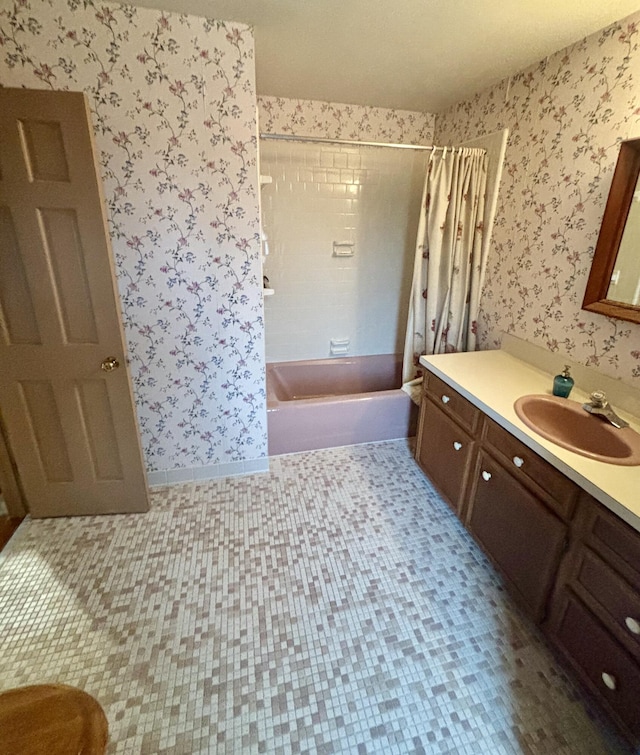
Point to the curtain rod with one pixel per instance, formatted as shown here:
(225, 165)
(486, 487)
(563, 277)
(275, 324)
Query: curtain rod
(323, 140)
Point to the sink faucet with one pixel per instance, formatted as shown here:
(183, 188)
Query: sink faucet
(598, 404)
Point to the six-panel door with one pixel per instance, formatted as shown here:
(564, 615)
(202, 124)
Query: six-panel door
(70, 423)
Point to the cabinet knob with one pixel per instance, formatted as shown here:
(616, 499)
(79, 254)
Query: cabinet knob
(457, 445)
(445, 399)
(486, 476)
(609, 681)
(518, 461)
(633, 625)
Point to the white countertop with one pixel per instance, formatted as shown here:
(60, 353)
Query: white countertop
(493, 380)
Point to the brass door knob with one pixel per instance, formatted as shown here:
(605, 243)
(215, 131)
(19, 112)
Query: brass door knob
(109, 364)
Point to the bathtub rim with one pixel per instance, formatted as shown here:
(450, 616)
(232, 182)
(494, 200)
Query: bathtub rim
(273, 401)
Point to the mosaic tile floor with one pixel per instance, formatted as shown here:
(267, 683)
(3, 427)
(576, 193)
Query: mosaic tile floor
(333, 605)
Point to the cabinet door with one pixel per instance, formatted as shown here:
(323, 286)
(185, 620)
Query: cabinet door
(518, 532)
(543, 480)
(444, 453)
(605, 667)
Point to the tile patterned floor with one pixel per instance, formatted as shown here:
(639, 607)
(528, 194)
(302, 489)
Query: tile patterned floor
(333, 605)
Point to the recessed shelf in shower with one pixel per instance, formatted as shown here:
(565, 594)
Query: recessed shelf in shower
(343, 248)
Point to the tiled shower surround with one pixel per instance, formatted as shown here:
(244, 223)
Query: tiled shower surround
(323, 194)
(333, 605)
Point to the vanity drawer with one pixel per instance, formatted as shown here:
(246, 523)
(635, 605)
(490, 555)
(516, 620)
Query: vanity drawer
(527, 466)
(619, 600)
(452, 402)
(614, 539)
(604, 665)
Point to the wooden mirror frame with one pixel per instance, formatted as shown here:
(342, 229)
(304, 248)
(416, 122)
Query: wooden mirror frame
(623, 186)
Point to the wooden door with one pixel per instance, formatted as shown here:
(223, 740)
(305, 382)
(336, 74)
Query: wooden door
(65, 395)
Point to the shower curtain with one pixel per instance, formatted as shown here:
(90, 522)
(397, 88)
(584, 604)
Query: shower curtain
(449, 261)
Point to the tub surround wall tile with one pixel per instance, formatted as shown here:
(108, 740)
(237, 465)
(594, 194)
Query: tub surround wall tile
(566, 116)
(363, 298)
(172, 99)
(332, 605)
(316, 201)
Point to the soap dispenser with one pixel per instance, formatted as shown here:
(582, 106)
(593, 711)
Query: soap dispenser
(563, 383)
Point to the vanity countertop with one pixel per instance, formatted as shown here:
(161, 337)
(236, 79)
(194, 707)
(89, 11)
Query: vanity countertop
(493, 380)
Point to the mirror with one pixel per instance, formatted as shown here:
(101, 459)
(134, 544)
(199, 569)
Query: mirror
(613, 288)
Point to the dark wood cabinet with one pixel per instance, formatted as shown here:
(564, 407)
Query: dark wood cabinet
(452, 403)
(595, 611)
(446, 441)
(518, 532)
(445, 454)
(602, 664)
(534, 473)
(514, 503)
(571, 564)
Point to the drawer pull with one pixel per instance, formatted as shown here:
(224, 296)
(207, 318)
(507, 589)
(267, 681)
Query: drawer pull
(445, 399)
(633, 625)
(609, 681)
(518, 461)
(457, 445)
(486, 476)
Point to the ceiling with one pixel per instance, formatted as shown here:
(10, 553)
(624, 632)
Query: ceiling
(409, 54)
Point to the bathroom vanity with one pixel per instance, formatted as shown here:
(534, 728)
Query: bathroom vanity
(562, 529)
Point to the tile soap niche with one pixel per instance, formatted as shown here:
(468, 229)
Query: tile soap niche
(339, 346)
(343, 248)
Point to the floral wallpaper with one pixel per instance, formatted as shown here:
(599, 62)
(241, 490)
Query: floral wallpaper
(330, 120)
(173, 105)
(566, 117)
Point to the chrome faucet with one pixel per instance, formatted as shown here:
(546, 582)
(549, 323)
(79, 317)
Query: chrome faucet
(598, 404)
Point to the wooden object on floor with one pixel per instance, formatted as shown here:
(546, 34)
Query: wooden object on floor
(8, 525)
(51, 719)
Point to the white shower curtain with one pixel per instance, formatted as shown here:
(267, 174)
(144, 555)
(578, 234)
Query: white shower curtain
(450, 258)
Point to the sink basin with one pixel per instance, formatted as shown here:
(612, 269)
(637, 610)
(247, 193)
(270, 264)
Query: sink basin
(567, 424)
